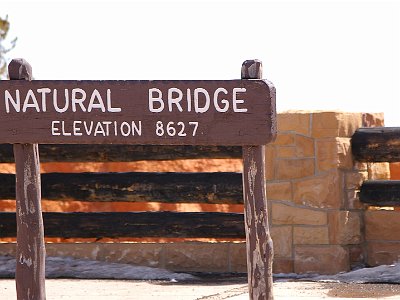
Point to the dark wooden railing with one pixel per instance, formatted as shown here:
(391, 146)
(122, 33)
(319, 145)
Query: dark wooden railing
(210, 188)
(378, 144)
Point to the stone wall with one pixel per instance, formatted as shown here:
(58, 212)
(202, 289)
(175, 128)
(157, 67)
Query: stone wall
(316, 218)
(317, 222)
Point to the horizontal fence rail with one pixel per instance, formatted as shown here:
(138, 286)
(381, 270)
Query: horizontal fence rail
(123, 153)
(377, 144)
(134, 224)
(213, 188)
(380, 192)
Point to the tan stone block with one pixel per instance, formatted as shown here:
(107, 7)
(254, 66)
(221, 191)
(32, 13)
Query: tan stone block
(373, 120)
(382, 225)
(282, 240)
(294, 121)
(285, 215)
(149, 254)
(344, 227)
(378, 171)
(353, 200)
(323, 191)
(143, 254)
(321, 259)
(304, 146)
(354, 180)
(333, 153)
(383, 253)
(286, 152)
(279, 190)
(335, 124)
(357, 256)
(270, 157)
(310, 235)
(360, 166)
(237, 258)
(294, 168)
(284, 139)
(282, 265)
(199, 257)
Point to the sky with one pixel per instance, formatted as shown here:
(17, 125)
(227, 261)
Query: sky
(320, 55)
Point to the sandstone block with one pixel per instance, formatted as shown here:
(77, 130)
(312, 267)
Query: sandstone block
(294, 121)
(333, 153)
(294, 168)
(282, 239)
(361, 166)
(199, 257)
(322, 191)
(304, 146)
(282, 265)
(382, 225)
(353, 200)
(354, 179)
(279, 190)
(383, 253)
(284, 139)
(378, 171)
(286, 215)
(335, 124)
(357, 256)
(286, 151)
(321, 259)
(310, 235)
(237, 258)
(344, 227)
(270, 156)
(373, 120)
(395, 171)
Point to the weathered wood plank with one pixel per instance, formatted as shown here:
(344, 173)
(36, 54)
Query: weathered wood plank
(123, 153)
(212, 188)
(30, 254)
(134, 224)
(258, 239)
(380, 192)
(377, 144)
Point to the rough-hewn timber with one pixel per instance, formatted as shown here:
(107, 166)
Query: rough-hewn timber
(378, 144)
(258, 238)
(123, 153)
(134, 224)
(380, 192)
(31, 254)
(213, 188)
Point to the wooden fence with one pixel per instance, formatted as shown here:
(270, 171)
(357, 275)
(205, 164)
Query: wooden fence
(379, 144)
(211, 188)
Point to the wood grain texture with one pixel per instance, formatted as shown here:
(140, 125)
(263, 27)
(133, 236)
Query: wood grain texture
(230, 112)
(377, 144)
(134, 224)
(30, 254)
(123, 153)
(380, 192)
(211, 188)
(258, 239)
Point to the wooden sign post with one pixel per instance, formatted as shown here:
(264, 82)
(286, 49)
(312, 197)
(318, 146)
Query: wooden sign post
(30, 256)
(197, 112)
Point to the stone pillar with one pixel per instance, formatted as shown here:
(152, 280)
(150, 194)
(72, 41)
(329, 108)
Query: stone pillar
(316, 217)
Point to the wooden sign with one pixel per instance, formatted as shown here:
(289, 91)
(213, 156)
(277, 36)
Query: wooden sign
(229, 112)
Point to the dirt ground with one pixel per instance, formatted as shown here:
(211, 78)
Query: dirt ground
(236, 289)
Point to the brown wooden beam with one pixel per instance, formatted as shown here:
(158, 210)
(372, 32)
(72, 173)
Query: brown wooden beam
(377, 144)
(380, 192)
(134, 224)
(123, 153)
(212, 188)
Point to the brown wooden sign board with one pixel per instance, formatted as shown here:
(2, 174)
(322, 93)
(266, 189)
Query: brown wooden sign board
(220, 112)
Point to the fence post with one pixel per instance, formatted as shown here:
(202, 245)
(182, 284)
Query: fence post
(258, 240)
(30, 256)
